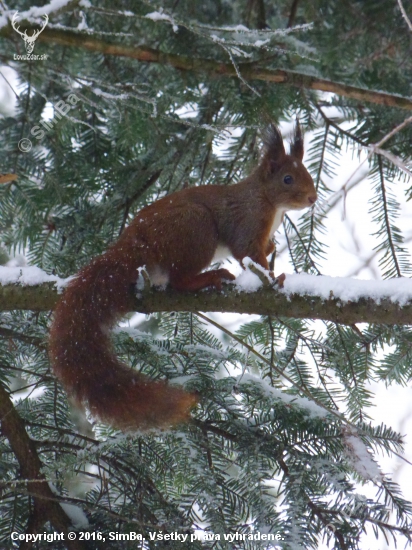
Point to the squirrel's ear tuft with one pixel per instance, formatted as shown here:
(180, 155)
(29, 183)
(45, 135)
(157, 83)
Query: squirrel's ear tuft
(296, 147)
(274, 150)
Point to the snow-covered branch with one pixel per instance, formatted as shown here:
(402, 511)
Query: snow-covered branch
(304, 296)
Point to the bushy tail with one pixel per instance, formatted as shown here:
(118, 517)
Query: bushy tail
(83, 360)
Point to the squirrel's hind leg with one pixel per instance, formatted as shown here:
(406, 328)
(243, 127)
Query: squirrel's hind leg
(202, 280)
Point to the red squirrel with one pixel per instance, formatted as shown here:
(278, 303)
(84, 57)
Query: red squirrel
(174, 239)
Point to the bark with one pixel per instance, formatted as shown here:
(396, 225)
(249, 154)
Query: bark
(249, 71)
(45, 506)
(265, 301)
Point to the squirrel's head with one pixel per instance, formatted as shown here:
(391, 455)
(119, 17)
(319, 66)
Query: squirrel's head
(286, 181)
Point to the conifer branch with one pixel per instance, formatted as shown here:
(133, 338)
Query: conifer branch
(264, 301)
(45, 509)
(388, 227)
(249, 71)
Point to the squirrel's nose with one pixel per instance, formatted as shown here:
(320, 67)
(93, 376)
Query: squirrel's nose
(312, 199)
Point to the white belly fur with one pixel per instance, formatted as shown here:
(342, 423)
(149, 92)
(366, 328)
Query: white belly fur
(277, 221)
(221, 253)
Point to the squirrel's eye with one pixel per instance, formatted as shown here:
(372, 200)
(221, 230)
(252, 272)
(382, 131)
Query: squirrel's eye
(288, 179)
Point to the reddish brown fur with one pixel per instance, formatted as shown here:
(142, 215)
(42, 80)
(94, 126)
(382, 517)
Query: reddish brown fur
(176, 237)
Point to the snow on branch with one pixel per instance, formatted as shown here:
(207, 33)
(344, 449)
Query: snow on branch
(28, 288)
(360, 457)
(249, 71)
(301, 403)
(27, 276)
(35, 12)
(337, 299)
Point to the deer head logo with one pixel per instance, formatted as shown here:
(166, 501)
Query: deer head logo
(29, 40)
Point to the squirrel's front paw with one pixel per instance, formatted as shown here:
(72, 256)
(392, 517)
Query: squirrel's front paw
(278, 281)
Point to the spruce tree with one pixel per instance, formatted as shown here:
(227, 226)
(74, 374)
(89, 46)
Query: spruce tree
(118, 105)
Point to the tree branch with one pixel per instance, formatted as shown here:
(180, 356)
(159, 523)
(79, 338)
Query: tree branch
(250, 71)
(292, 14)
(264, 301)
(45, 506)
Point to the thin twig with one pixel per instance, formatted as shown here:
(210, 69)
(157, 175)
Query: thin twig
(373, 147)
(404, 14)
